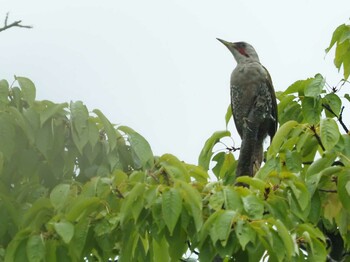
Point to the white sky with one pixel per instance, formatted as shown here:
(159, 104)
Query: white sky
(155, 65)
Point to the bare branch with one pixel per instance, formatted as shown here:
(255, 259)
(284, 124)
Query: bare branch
(14, 24)
(313, 129)
(340, 117)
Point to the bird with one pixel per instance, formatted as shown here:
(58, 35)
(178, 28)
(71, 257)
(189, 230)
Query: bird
(253, 104)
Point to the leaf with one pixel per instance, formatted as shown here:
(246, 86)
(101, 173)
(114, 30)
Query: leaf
(253, 181)
(225, 166)
(329, 133)
(253, 206)
(344, 188)
(129, 206)
(4, 94)
(160, 250)
(197, 172)
(109, 129)
(334, 103)
(222, 226)
(140, 147)
(59, 195)
(171, 208)
(193, 202)
(82, 206)
(79, 239)
(297, 87)
(7, 137)
(14, 250)
(338, 32)
(79, 124)
(244, 233)
(216, 200)
(51, 110)
(207, 151)
(232, 200)
(65, 230)
(293, 161)
(228, 114)
(28, 89)
(280, 137)
(311, 108)
(35, 249)
(320, 164)
(315, 86)
(174, 167)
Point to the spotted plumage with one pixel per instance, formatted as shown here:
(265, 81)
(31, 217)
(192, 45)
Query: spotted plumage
(253, 104)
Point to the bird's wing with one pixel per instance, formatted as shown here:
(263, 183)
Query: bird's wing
(274, 121)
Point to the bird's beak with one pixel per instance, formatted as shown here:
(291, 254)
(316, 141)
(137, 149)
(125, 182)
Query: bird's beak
(227, 44)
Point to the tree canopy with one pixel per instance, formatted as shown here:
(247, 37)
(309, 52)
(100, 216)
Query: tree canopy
(75, 187)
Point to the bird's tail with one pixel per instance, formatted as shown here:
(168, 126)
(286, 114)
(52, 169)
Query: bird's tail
(250, 157)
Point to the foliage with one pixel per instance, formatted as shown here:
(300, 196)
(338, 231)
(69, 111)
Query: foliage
(75, 187)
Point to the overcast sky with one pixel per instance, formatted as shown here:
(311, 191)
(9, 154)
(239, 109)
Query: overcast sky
(155, 65)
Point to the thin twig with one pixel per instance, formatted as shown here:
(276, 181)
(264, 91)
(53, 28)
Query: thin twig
(313, 129)
(14, 24)
(339, 118)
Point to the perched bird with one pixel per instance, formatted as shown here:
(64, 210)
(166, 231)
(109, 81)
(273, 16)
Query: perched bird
(253, 103)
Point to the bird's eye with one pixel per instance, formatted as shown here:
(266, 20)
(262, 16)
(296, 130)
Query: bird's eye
(241, 45)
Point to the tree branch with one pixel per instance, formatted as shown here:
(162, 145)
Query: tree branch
(339, 118)
(313, 129)
(14, 24)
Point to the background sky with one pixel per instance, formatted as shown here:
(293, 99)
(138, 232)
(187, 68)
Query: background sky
(155, 65)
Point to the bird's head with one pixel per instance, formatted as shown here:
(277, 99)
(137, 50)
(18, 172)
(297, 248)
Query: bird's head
(242, 51)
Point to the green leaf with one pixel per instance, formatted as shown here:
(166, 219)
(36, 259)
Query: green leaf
(192, 202)
(174, 167)
(79, 126)
(160, 250)
(207, 151)
(253, 181)
(253, 206)
(140, 147)
(334, 103)
(311, 108)
(329, 133)
(244, 233)
(65, 230)
(216, 200)
(297, 87)
(315, 86)
(320, 164)
(232, 200)
(338, 32)
(222, 226)
(51, 110)
(35, 249)
(344, 188)
(197, 172)
(280, 137)
(7, 137)
(293, 161)
(109, 129)
(59, 195)
(4, 94)
(228, 114)
(28, 89)
(171, 208)
(131, 204)
(225, 166)
(79, 240)
(82, 206)
(16, 249)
